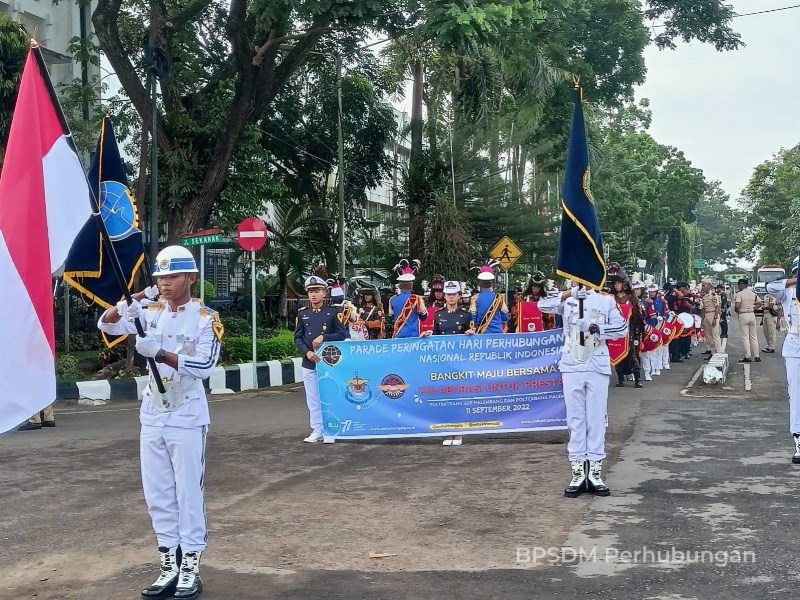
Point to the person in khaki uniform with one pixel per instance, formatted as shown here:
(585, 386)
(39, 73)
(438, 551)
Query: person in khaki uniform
(769, 321)
(746, 303)
(711, 310)
(43, 418)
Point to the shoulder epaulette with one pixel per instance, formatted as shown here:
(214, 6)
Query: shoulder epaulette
(155, 306)
(209, 312)
(302, 308)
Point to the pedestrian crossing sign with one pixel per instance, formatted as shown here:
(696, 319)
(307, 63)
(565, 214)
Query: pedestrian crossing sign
(506, 253)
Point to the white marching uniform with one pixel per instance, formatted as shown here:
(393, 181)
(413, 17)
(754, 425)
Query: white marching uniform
(172, 444)
(791, 347)
(586, 378)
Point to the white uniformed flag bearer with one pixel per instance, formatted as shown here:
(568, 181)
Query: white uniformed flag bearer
(586, 372)
(785, 292)
(183, 337)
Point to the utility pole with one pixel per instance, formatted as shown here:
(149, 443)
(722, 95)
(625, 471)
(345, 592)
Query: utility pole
(342, 267)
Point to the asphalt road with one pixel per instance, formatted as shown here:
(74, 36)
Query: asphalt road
(703, 490)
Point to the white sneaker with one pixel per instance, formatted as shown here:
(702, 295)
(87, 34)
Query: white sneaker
(315, 436)
(656, 373)
(457, 440)
(648, 378)
(329, 440)
(448, 441)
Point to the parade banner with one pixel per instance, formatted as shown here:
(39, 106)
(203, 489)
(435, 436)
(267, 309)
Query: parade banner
(530, 318)
(427, 323)
(619, 349)
(442, 385)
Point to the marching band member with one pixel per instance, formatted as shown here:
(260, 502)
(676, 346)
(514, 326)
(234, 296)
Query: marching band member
(451, 320)
(624, 295)
(347, 311)
(536, 290)
(785, 292)
(436, 297)
(316, 324)
(586, 370)
(407, 308)
(370, 312)
(466, 297)
(488, 308)
(183, 337)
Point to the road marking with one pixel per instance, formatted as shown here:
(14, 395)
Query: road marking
(748, 383)
(685, 391)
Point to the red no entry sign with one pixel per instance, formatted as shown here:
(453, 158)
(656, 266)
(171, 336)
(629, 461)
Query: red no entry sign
(252, 234)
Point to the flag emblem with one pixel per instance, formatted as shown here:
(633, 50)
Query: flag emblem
(118, 210)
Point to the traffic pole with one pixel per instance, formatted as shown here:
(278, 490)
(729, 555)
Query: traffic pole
(253, 291)
(202, 273)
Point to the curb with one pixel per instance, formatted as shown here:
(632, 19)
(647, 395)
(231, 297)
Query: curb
(224, 380)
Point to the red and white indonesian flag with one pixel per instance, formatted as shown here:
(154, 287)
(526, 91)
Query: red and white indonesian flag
(44, 202)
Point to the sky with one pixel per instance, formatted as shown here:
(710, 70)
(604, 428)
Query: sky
(730, 111)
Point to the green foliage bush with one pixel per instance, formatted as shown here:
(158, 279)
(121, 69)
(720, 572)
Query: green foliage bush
(278, 347)
(67, 368)
(240, 327)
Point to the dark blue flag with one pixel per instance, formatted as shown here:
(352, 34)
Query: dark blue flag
(580, 247)
(88, 268)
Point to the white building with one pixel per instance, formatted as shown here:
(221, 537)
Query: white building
(54, 26)
(382, 201)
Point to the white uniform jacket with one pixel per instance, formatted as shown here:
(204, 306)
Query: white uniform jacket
(600, 309)
(786, 296)
(194, 333)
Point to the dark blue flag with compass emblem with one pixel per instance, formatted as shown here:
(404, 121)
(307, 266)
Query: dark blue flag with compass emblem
(87, 268)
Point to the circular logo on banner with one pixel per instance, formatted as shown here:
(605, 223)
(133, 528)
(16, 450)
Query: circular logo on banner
(393, 386)
(331, 356)
(531, 327)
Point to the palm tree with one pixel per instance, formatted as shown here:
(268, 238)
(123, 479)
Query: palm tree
(291, 248)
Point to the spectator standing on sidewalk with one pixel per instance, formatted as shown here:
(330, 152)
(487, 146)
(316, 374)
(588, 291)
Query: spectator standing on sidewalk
(745, 305)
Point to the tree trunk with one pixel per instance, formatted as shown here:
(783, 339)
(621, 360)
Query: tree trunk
(521, 168)
(416, 204)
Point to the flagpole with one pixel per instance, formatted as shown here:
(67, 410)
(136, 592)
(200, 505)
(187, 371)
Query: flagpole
(106, 239)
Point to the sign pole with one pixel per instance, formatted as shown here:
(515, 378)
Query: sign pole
(252, 236)
(203, 273)
(253, 292)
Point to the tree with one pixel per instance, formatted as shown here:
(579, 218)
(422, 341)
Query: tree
(719, 225)
(14, 48)
(680, 252)
(229, 61)
(771, 206)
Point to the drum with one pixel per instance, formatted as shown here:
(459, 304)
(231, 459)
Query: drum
(651, 339)
(687, 320)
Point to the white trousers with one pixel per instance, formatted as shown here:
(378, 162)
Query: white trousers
(793, 376)
(173, 472)
(311, 384)
(665, 356)
(586, 396)
(651, 363)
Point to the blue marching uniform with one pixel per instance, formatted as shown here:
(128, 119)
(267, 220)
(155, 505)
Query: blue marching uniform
(482, 304)
(397, 304)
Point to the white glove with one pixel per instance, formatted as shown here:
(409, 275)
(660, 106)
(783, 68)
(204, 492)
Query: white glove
(152, 292)
(576, 291)
(147, 346)
(584, 324)
(659, 320)
(581, 293)
(137, 309)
